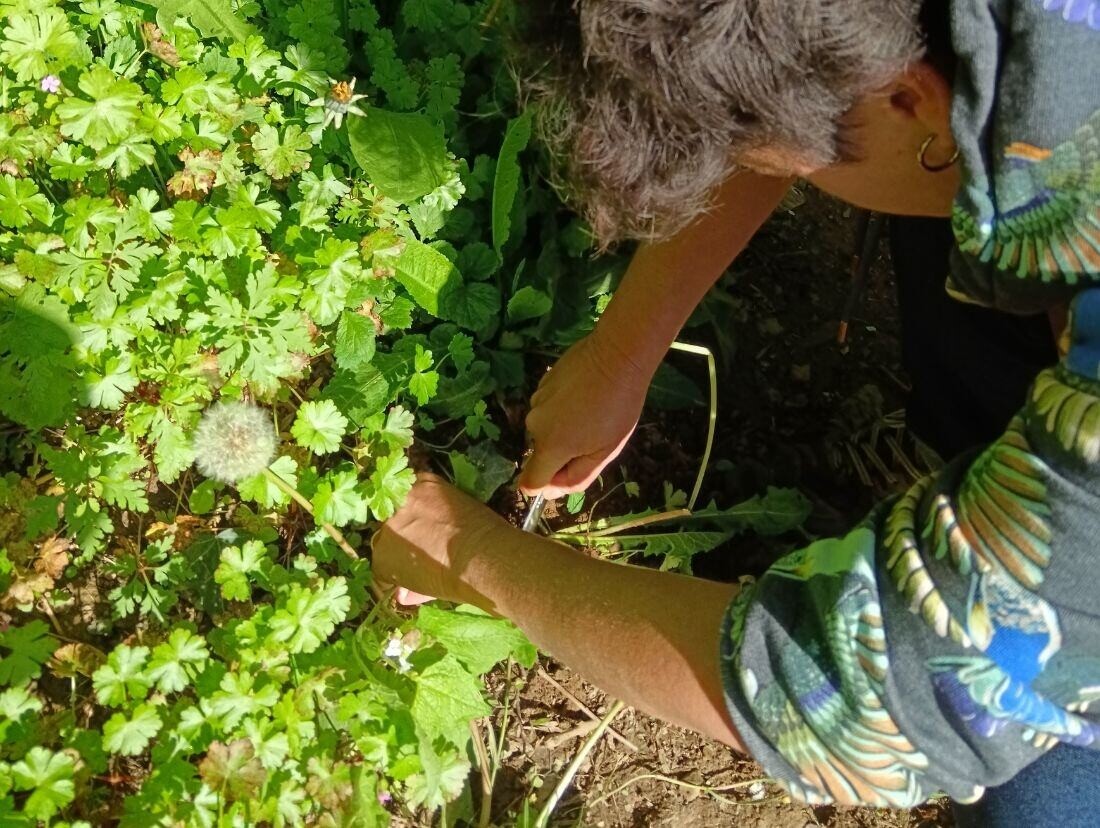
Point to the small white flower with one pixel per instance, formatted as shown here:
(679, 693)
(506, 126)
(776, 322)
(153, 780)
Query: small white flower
(340, 101)
(234, 440)
(50, 83)
(399, 649)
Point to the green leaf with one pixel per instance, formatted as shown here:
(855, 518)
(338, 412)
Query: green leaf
(319, 426)
(681, 546)
(355, 337)
(130, 737)
(281, 155)
(394, 429)
(507, 179)
(475, 638)
(481, 470)
(177, 661)
(50, 778)
(390, 482)
(473, 305)
(426, 274)
(441, 778)
(202, 497)
(461, 349)
(773, 513)
(109, 387)
(237, 564)
(308, 617)
(213, 18)
(340, 499)
(403, 154)
(36, 43)
(447, 698)
(260, 489)
(123, 677)
(528, 303)
(21, 203)
(479, 423)
(109, 112)
(29, 647)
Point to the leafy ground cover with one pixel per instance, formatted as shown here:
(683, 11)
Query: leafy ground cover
(256, 263)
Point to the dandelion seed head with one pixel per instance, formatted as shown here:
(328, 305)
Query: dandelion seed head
(234, 440)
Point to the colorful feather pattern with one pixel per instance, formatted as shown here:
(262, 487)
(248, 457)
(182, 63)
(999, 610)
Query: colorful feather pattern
(1048, 221)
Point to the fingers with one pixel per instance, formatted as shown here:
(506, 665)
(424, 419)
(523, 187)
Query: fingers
(408, 598)
(540, 470)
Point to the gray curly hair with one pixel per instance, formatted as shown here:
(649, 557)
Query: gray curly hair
(646, 104)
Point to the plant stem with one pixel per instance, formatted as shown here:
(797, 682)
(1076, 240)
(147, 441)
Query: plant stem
(572, 533)
(332, 531)
(482, 754)
(699, 350)
(570, 772)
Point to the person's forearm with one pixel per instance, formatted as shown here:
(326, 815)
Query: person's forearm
(649, 638)
(666, 280)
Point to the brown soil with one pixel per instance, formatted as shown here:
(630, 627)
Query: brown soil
(795, 409)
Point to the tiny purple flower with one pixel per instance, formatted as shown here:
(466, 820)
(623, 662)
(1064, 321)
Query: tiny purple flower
(384, 797)
(50, 83)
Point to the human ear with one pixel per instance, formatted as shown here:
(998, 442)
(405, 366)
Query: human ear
(922, 94)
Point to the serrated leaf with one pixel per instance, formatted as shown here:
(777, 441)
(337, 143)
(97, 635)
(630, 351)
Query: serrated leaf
(447, 698)
(308, 617)
(426, 274)
(672, 390)
(390, 482)
(475, 638)
(355, 340)
(340, 499)
(403, 153)
(506, 181)
(213, 18)
(233, 768)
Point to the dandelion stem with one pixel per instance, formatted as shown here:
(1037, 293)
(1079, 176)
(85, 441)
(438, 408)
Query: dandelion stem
(332, 531)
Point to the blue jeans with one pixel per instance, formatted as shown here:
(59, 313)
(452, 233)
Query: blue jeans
(1061, 790)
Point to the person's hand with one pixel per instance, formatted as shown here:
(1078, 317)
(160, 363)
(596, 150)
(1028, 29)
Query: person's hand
(582, 414)
(425, 547)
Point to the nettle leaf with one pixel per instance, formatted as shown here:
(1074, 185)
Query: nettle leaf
(447, 697)
(108, 112)
(49, 777)
(476, 638)
(426, 274)
(177, 661)
(131, 736)
(307, 617)
(28, 648)
(403, 153)
(355, 340)
(213, 18)
(319, 426)
(507, 179)
(123, 677)
(473, 305)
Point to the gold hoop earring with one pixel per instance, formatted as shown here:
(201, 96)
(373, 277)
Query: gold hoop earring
(934, 168)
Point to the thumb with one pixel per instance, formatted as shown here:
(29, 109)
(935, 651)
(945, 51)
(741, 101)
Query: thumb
(540, 469)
